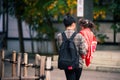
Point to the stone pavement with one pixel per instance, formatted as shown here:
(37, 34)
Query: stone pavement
(103, 60)
(104, 66)
(99, 70)
(57, 74)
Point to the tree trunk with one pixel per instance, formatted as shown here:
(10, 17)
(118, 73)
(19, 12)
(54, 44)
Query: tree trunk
(53, 37)
(6, 34)
(114, 31)
(20, 31)
(4, 27)
(32, 44)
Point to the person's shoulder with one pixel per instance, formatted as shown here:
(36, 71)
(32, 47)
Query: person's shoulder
(78, 35)
(59, 35)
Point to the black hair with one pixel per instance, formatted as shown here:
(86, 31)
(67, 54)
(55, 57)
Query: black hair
(68, 20)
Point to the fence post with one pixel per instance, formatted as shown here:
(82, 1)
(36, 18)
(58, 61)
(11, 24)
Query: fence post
(14, 64)
(2, 56)
(25, 62)
(0, 64)
(19, 65)
(37, 60)
(42, 67)
(48, 67)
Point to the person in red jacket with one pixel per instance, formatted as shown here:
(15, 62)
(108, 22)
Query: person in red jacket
(90, 39)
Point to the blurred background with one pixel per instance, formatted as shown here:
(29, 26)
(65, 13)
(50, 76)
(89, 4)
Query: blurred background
(31, 25)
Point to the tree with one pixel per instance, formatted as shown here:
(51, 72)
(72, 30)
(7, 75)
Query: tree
(16, 8)
(103, 9)
(56, 9)
(4, 12)
(115, 8)
(41, 14)
(18, 12)
(36, 18)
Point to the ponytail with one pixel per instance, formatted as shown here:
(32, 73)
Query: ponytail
(86, 23)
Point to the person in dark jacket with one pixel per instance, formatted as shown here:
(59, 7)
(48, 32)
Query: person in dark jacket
(70, 27)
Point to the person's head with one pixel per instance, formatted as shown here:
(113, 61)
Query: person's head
(69, 21)
(85, 23)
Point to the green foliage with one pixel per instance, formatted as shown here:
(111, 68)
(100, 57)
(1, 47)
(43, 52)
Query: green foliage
(56, 7)
(102, 38)
(116, 27)
(115, 7)
(102, 10)
(14, 7)
(97, 26)
(35, 16)
(40, 14)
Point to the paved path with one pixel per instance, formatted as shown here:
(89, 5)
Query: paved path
(87, 75)
(57, 74)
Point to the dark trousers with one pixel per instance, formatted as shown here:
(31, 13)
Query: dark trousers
(73, 74)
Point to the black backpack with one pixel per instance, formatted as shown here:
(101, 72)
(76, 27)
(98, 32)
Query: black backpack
(68, 56)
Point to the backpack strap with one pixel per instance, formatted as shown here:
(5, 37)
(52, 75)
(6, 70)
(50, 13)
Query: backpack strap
(65, 37)
(73, 35)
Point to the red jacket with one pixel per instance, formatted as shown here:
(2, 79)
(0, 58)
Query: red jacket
(91, 44)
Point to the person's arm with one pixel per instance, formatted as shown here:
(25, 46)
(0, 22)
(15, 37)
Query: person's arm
(82, 46)
(59, 40)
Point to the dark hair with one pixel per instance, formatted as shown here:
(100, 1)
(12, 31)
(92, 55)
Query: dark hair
(86, 23)
(68, 20)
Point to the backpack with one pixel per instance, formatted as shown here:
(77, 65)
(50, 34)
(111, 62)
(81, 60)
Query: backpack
(68, 56)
